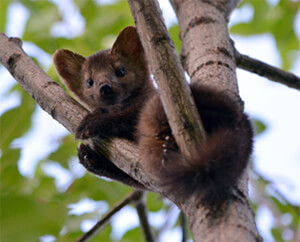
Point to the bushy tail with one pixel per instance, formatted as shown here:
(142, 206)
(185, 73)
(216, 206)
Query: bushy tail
(216, 164)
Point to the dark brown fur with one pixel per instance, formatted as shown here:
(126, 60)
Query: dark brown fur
(133, 110)
(215, 165)
(113, 115)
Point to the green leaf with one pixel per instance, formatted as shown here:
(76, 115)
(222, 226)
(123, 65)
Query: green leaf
(103, 235)
(98, 189)
(24, 218)
(15, 122)
(70, 236)
(46, 189)
(277, 20)
(10, 179)
(133, 235)
(259, 126)
(43, 14)
(276, 234)
(175, 32)
(65, 151)
(102, 21)
(154, 202)
(3, 14)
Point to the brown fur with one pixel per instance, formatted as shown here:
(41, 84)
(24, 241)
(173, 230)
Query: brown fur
(130, 108)
(114, 114)
(215, 165)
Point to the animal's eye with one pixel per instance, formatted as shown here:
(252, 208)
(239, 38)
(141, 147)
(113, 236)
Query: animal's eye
(120, 72)
(89, 82)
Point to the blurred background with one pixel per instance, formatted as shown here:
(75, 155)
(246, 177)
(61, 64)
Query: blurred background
(45, 194)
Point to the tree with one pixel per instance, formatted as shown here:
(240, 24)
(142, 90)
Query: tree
(69, 113)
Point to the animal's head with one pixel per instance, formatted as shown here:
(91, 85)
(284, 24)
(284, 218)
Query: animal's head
(107, 77)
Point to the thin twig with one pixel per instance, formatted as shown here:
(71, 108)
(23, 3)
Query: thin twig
(261, 199)
(143, 217)
(184, 228)
(263, 69)
(277, 192)
(134, 196)
(169, 217)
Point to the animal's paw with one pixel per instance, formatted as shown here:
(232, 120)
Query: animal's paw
(92, 124)
(83, 131)
(168, 145)
(86, 154)
(87, 128)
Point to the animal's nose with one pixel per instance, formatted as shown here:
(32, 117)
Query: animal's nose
(106, 89)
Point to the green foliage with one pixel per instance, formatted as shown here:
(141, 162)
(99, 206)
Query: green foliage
(277, 20)
(15, 122)
(154, 202)
(42, 16)
(3, 14)
(34, 207)
(174, 32)
(66, 150)
(285, 214)
(259, 126)
(10, 179)
(25, 218)
(133, 235)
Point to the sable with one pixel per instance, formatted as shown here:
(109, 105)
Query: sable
(115, 84)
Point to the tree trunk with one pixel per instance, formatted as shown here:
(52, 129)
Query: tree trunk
(207, 56)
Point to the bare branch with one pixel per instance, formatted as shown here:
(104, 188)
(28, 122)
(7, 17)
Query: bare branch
(263, 69)
(132, 197)
(168, 222)
(169, 75)
(184, 227)
(47, 93)
(141, 209)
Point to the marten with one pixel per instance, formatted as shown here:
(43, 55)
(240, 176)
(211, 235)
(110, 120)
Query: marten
(115, 84)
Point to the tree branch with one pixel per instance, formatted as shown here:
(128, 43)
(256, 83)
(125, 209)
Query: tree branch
(208, 57)
(47, 93)
(175, 94)
(212, 62)
(263, 69)
(56, 102)
(184, 228)
(63, 108)
(207, 53)
(141, 209)
(132, 197)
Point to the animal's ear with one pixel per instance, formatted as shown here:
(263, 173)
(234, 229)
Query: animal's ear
(128, 44)
(68, 66)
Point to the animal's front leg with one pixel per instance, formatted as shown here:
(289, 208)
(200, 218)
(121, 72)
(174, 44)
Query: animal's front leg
(91, 125)
(112, 123)
(98, 164)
